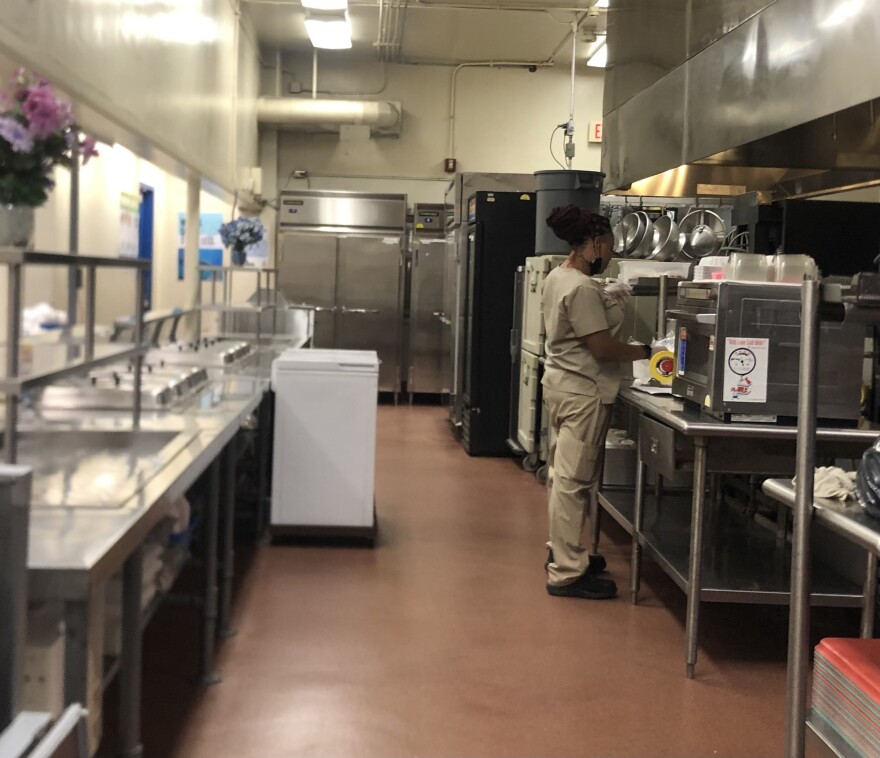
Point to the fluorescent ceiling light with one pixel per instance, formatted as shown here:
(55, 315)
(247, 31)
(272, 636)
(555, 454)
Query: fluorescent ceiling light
(325, 5)
(599, 58)
(329, 32)
(601, 4)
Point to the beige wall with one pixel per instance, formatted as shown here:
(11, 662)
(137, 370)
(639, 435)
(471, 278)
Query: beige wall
(102, 183)
(163, 73)
(166, 104)
(504, 118)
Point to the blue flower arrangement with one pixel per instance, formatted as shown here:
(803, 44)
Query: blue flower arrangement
(240, 234)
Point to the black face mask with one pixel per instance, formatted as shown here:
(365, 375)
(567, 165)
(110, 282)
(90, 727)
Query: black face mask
(596, 267)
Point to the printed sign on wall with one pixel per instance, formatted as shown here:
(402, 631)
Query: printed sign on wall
(210, 244)
(129, 225)
(745, 370)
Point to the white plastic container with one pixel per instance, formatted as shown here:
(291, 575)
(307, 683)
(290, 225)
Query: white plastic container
(632, 270)
(527, 417)
(793, 269)
(536, 271)
(747, 267)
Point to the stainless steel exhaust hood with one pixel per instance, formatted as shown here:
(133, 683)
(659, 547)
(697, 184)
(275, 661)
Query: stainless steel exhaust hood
(729, 96)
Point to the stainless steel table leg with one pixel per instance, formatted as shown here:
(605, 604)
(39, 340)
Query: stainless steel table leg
(130, 666)
(209, 611)
(870, 599)
(264, 420)
(76, 652)
(227, 548)
(798, 674)
(781, 523)
(635, 572)
(696, 554)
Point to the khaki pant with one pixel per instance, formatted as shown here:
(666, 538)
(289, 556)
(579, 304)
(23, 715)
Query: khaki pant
(578, 425)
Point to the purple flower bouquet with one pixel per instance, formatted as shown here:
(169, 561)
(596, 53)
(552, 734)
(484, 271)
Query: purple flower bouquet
(37, 133)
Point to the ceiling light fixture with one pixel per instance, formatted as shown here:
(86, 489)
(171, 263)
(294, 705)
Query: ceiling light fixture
(599, 58)
(325, 5)
(329, 32)
(601, 4)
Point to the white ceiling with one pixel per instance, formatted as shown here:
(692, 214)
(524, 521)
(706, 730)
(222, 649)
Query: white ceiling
(442, 31)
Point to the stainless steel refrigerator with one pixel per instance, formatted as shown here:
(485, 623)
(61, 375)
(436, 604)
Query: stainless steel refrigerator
(343, 254)
(430, 326)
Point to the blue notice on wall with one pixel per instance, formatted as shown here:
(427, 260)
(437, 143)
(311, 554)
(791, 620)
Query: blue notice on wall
(210, 244)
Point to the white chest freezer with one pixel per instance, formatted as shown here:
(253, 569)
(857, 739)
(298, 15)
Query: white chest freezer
(323, 469)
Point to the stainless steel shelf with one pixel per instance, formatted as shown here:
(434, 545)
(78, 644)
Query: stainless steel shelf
(237, 308)
(742, 562)
(154, 317)
(622, 512)
(847, 519)
(29, 381)
(13, 255)
(826, 745)
(252, 337)
(252, 269)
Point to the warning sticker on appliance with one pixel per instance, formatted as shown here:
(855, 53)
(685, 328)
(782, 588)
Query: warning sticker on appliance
(745, 370)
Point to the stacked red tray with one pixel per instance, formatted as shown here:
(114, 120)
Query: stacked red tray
(846, 693)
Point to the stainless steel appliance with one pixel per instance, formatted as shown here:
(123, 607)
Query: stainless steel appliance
(457, 195)
(342, 253)
(737, 350)
(430, 325)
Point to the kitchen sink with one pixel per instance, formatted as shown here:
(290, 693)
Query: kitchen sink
(95, 468)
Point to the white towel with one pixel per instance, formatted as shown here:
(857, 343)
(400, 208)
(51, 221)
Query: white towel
(833, 483)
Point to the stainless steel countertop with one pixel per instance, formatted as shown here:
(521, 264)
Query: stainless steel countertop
(71, 548)
(690, 422)
(848, 519)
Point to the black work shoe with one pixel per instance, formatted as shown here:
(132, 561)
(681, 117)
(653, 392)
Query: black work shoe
(588, 587)
(597, 564)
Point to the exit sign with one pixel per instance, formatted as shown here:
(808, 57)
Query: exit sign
(596, 132)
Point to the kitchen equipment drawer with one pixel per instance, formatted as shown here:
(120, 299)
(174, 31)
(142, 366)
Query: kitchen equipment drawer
(662, 449)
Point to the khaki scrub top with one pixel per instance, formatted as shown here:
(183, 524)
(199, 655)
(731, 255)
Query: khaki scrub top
(575, 306)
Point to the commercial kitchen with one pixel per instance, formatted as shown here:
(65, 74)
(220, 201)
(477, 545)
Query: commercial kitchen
(279, 418)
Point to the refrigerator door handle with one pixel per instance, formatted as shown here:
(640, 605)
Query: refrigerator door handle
(358, 310)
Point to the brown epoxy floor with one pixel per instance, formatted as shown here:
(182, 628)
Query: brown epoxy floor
(443, 642)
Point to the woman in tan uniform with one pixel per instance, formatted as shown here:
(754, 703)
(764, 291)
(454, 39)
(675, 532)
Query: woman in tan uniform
(581, 380)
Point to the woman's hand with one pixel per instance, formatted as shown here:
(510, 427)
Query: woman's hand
(606, 349)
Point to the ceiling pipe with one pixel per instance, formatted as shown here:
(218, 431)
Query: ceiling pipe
(424, 5)
(301, 112)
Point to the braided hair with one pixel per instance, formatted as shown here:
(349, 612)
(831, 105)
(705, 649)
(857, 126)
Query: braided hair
(577, 225)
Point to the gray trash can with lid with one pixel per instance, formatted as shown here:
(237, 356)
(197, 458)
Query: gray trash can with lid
(559, 188)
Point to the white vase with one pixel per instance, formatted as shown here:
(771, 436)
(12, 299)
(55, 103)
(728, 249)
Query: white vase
(16, 226)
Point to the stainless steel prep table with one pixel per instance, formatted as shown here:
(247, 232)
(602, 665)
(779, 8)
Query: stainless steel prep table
(850, 521)
(724, 448)
(72, 551)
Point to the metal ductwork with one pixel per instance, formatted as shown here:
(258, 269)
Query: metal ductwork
(742, 95)
(329, 115)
